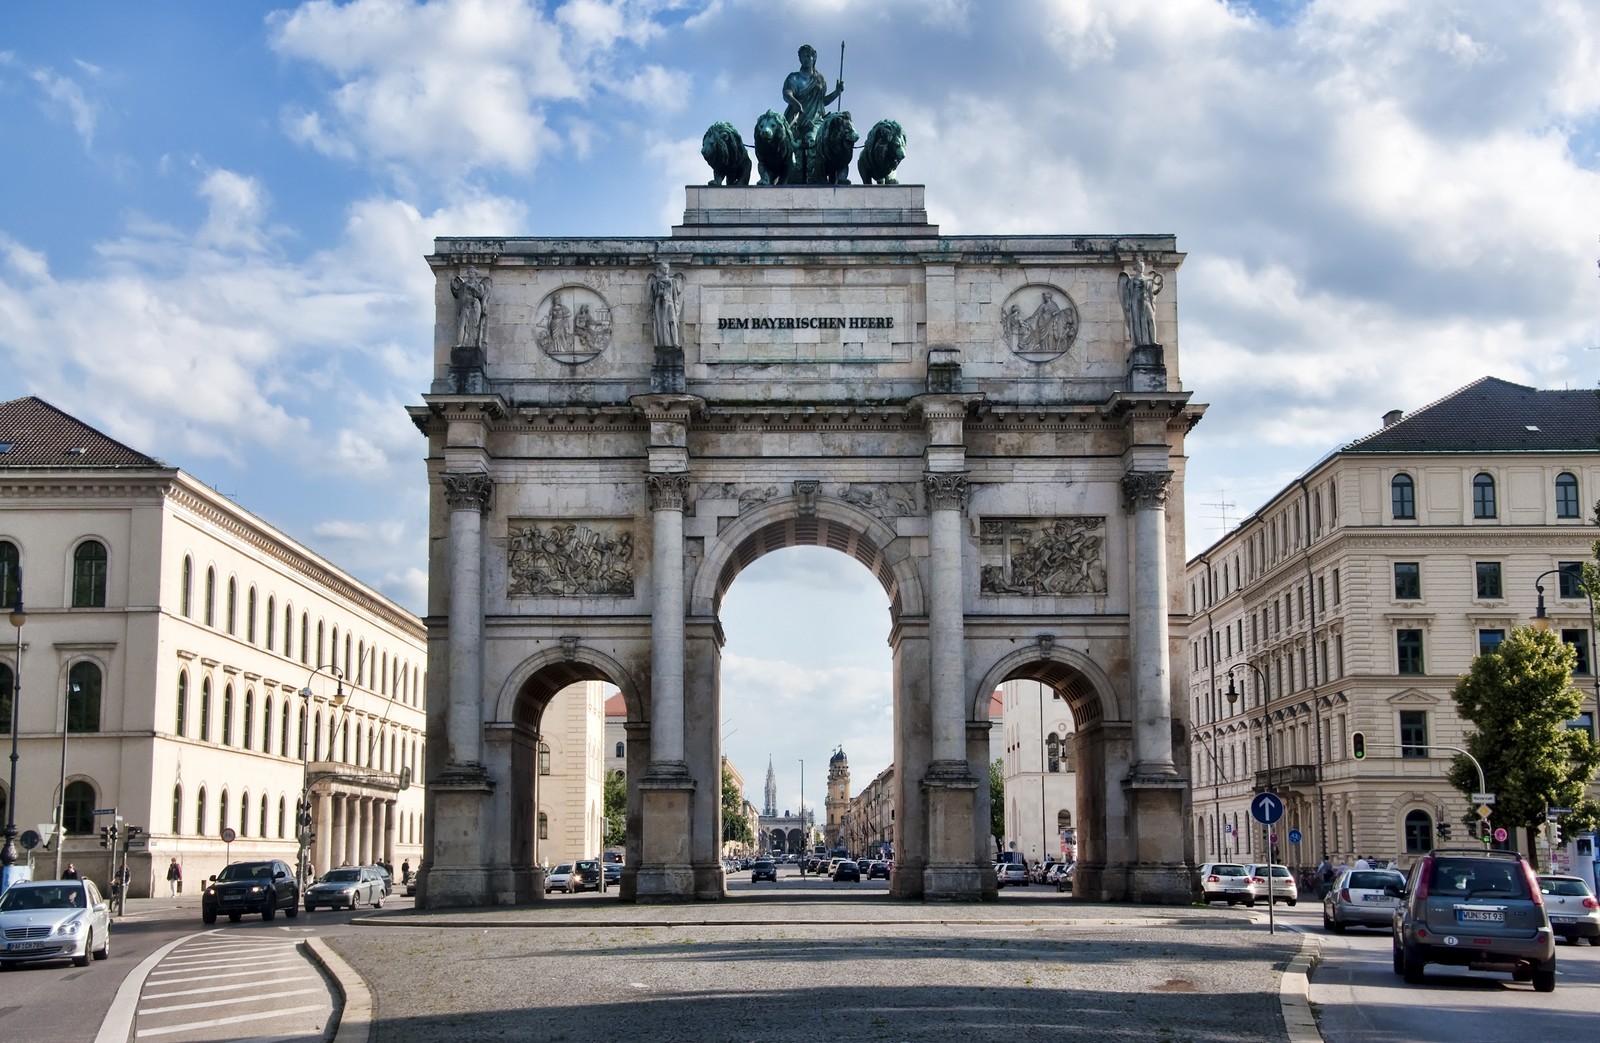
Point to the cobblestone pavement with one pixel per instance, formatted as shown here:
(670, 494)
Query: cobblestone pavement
(865, 971)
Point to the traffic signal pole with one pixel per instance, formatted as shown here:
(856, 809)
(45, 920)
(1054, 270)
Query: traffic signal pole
(1359, 746)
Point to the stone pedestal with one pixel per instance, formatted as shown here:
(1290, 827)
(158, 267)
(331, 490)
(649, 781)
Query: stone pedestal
(458, 872)
(952, 873)
(666, 873)
(1158, 874)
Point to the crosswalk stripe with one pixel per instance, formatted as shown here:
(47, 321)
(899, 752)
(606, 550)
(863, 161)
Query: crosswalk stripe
(231, 1001)
(206, 977)
(238, 987)
(237, 1019)
(228, 961)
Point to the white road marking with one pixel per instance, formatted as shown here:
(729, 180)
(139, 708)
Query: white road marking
(208, 977)
(224, 988)
(237, 1019)
(232, 1001)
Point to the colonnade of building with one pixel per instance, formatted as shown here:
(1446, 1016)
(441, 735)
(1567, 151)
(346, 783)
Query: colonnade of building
(352, 829)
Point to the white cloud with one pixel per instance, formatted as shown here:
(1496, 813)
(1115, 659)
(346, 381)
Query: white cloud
(66, 95)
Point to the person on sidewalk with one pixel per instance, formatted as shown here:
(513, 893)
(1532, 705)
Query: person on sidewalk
(174, 878)
(70, 873)
(405, 871)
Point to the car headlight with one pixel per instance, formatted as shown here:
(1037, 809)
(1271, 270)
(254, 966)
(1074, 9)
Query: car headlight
(256, 889)
(70, 927)
(211, 892)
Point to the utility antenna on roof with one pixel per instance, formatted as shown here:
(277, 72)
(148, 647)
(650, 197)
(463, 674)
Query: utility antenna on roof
(1223, 506)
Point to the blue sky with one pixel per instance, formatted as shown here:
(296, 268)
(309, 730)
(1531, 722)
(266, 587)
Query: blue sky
(212, 219)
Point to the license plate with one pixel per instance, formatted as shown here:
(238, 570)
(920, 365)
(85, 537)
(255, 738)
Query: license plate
(1375, 898)
(28, 946)
(1563, 919)
(1481, 915)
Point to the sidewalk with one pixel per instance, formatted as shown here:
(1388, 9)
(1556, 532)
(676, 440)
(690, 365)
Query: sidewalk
(874, 969)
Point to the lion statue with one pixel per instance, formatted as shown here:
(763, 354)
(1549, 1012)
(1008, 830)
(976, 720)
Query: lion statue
(836, 141)
(774, 148)
(723, 148)
(883, 152)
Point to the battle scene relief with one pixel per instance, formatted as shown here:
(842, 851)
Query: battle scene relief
(1043, 557)
(570, 560)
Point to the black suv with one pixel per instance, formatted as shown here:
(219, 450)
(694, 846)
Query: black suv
(1470, 907)
(251, 887)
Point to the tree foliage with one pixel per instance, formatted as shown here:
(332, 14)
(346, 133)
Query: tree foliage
(734, 825)
(1519, 699)
(616, 809)
(997, 801)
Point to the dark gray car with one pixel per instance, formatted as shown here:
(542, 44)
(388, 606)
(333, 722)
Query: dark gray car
(1468, 907)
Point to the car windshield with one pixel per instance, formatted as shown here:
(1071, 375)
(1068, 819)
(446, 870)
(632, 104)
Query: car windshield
(341, 876)
(247, 871)
(1554, 886)
(65, 896)
(564, 868)
(1465, 878)
(1369, 881)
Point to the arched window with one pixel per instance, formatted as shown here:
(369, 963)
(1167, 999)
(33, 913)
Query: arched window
(89, 575)
(346, 657)
(320, 659)
(544, 758)
(233, 603)
(305, 635)
(1419, 832)
(186, 590)
(1402, 497)
(1052, 752)
(222, 812)
(266, 725)
(205, 709)
(247, 733)
(1483, 505)
(10, 574)
(83, 697)
(200, 813)
(619, 749)
(316, 739)
(227, 715)
(262, 822)
(244, 814)
(283, 818)
(361, 663)
(250, 616)
(8, 684)
(77, 809)
(1566, 497)
(211, 597)
(544, 826)
(288, 631)
(182, 722)
(344, 744)
(283, 731)
(177, 811)
(300, 731)
(272, 618)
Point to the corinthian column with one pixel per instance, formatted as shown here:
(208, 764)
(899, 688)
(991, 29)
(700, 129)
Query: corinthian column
(667, 493)
(947, 496)
(468, 496)
(1144, 495)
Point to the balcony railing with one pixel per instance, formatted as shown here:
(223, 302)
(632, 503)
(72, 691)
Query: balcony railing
(1287, 776)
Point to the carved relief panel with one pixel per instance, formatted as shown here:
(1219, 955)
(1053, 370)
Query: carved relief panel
(569, 560)
(1039, 322)
(573, 325)
(1043, 557)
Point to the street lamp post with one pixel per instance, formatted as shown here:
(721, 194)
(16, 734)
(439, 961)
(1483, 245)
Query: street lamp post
(1266, 729)
(1542, 622)
(61, 790)
(8, 853)
(304, 816)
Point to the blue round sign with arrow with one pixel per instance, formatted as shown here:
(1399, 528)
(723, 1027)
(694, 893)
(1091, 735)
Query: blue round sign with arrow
(1266, 808)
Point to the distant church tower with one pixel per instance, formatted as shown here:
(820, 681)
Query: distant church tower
(838, 797)
(771, 809)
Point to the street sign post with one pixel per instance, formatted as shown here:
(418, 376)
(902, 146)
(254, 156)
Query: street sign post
(1266, 808)
(1500, 835)
(1483, 798)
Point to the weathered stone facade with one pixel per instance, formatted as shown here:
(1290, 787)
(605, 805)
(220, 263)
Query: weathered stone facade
(965, 416)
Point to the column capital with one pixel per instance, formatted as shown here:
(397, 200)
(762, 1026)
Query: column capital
(1145, 490)
(467, 490)
(947, 490)
(668, 490)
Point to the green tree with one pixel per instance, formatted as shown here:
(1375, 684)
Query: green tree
(734, 825)
(1519, 699)
(616, 809)
(997, 803)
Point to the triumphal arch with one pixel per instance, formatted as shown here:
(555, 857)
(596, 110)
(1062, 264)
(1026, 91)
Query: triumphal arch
(992, 425)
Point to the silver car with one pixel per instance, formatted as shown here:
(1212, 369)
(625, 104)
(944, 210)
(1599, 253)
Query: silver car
(1574, 913)
(1362, 898)
(348, 886)
(53, 920)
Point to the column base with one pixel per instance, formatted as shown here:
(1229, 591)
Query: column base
(953, 872)
(457, 873)
(1159, 874)
(666, 871)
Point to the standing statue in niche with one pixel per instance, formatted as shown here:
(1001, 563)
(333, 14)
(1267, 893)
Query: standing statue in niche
(806, 97)
(666, 306)
(1138, 293)
(471, 292)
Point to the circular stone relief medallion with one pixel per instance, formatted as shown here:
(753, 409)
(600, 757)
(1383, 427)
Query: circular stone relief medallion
(573, 325)
(1039, 322)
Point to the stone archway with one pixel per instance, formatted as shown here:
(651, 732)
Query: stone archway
(982, 422)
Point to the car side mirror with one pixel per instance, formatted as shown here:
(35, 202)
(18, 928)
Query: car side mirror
(213, 878)
(280, 875)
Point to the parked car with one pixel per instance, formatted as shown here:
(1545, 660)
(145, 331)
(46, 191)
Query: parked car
(1574, 913)
(1470, 907)
(1223, 882)
(763, 869)
(1361, 898)
(411, 885)
(559, 879)
(346, 888)
(588, 876)
(846, 870)
(1064, 877)
(262, 887)
(613, 873)
(383, 875)
(1012, 874)
(1282, 887)
(53, 920)
(878, 869)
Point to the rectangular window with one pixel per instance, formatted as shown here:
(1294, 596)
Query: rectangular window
(1408, 646)
(1579, 640)
(1488, 578)
(1300, 602)
(1414, 733)
(1407, 581)
(1489, 640)
(1277, 617)
(1338, 652)
(1335, 586)
(1322, 594)
(1571, 578)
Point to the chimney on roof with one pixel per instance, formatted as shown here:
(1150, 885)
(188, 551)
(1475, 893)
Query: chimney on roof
(1393, 417)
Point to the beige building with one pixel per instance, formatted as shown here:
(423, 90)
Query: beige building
(1354, 598)
(190, 666)
(1041, 782)
(572, 770)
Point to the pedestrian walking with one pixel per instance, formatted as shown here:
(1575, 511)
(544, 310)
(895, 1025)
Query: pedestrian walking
(405, 871)
(70, 873)
(174, 878)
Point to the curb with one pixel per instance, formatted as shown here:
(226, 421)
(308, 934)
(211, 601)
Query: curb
(1294, 990)
(354, 1011)
(117, 1025)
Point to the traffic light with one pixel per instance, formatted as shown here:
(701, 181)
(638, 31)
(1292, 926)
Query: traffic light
(1358, 745)
(105, 836)
(1444, 831)
(1555, 833)
(303, 814)
(133, 833)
